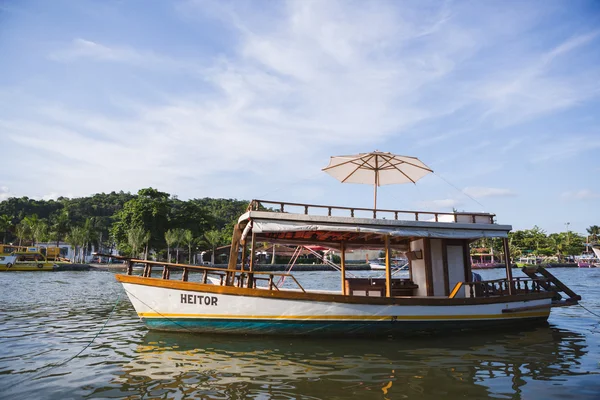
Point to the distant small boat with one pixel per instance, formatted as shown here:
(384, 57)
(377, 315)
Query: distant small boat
(397, 264)
(25, 261)
(590, 261)
(485, 261)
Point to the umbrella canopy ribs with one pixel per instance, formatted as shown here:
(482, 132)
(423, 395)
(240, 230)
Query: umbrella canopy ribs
(377, 168)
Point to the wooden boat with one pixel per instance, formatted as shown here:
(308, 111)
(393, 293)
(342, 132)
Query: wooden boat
(25, 261)
(439, 295)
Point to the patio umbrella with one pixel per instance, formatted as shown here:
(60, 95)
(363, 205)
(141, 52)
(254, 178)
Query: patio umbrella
(376, 168)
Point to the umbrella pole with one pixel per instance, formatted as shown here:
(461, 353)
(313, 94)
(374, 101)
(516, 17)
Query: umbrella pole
(375, 197)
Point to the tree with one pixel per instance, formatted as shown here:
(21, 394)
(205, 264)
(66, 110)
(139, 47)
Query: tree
(514, 250)
(76, 238)
(91, 232)
(188, 238)
(39, 230)
(558, 244)
(5, 224)
(149, 209)
(136, 237)
(213, 237)
(170, 238)
(594, 232)
(22, 232)
(575, 245)
(30, 222)
(179, 237)
(59, 225)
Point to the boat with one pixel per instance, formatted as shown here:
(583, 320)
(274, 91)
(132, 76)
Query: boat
(590, 261)
(439, 295)
(397, 264)
(25, 261)
(484, 261)
(596, 250)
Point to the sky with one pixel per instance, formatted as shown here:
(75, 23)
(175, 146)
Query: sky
(250, 99)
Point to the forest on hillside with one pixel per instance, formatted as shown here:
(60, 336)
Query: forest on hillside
(149, 221)
(156, 224)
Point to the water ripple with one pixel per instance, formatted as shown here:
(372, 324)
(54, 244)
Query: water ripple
(44, 325)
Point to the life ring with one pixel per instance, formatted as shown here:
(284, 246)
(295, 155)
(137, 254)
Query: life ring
(40, 265)
(9, 265)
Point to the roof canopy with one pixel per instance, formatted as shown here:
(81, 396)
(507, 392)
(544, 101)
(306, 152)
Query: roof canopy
(359, 232)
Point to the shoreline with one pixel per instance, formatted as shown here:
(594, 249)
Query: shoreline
(284, 267)
(258, 268)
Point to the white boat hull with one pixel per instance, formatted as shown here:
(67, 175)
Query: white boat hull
(175, 309)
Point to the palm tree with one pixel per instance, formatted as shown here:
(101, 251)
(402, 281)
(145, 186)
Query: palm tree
(90, 228)
(136, 237)
(594, 232)
(179, 237)
(558, 241)
(76, 238)
(5, 223)
(213, 237)
(188, 238)
(170, 238)
(60, 225)
(30, 222)
(22, 231)
(39, 230)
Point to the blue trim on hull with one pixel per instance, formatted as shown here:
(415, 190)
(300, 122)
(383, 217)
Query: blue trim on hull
(327, 328)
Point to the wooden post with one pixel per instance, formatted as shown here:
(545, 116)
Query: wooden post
(388, 267)
(243, 255)
(251, 264)
(233, 254)
(375, 187)
(508, 267)
(343, 266)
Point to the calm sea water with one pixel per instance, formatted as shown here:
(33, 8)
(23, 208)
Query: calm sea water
(47, 318)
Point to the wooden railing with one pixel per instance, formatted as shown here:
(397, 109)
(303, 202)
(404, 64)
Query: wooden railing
(500, 287)
(238, 278)
(278, 206)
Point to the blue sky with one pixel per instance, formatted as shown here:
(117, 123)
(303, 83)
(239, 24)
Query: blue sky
(249, 99)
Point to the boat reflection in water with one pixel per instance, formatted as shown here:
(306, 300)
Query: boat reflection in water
(467, 366)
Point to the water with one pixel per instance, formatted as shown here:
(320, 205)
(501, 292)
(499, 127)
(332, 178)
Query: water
(47, 318)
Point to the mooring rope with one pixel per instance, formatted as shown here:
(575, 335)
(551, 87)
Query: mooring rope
(50, 367)
(462, 191)
(279, 188)
(588, 310)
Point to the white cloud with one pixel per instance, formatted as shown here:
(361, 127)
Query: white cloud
(530, 88)
(583, 194)
(480, 192)
(317, 79)
(52, 196)
(84, 49)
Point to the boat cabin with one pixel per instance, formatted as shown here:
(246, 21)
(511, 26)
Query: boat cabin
(436, 244)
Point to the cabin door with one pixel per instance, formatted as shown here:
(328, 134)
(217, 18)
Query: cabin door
(456, 266)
